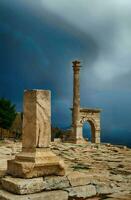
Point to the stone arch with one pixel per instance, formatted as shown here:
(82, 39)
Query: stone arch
(93, 126)
(91, 116)
(80, 114)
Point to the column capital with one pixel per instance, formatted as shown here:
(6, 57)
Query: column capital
(76, 65)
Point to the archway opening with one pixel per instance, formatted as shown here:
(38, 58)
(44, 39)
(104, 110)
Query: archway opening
(87, 131)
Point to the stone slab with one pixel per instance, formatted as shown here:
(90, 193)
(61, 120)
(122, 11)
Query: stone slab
(31, 186)
(52, 195)
(78, 179)
(103, 188)
(82, 191)
(56, 182)
(23, 186)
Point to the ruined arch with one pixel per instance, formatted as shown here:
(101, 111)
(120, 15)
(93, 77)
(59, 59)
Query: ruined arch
(91, 116)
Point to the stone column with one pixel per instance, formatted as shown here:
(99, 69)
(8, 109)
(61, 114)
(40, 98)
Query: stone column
(96, 134)
(36, 159)
(37, 119)
(76, 100)
(96, 139)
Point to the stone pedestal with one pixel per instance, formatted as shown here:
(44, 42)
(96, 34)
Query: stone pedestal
(35, 164)
(36, 159)
(96, 140)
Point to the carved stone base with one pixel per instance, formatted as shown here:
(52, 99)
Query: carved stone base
(81, 141)
(77, 141)
(39, 163)
(96, 140)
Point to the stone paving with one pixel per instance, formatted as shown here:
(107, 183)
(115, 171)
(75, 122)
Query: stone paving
(106, 169)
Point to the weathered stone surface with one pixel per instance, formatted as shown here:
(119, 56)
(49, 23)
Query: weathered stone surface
(37, 119)
(78, 178)
(52, 195)
(119, 196)
(83, 156)
(117, 178)
(56, 182)
(2, 173)
(76, 102)
(36, 159)
(35, 164)
(102, 188)
(82, 191)
(23, 186)
(30, 186)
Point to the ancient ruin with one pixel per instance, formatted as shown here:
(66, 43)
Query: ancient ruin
(36, 159)
(37, 172)
(82, 115)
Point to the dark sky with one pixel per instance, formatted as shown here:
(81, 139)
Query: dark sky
(39, 39)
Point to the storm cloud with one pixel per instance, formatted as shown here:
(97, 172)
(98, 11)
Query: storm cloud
(39, 39)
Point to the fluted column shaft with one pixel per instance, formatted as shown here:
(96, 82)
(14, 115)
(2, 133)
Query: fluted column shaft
(76, 96)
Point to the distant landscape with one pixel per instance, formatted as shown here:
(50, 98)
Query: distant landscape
(113, 137)
(117, 137)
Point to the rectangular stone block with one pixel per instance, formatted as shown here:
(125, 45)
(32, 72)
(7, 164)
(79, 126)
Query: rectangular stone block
(37, 119)
(56, 182)
(23, 186)
(82, 191)
(34, 185)
(78, 179)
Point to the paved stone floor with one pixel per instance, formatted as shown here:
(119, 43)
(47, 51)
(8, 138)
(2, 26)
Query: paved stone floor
(108, 166)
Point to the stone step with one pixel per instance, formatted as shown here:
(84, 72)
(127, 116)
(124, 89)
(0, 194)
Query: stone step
(51, 195)
(33, 185)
